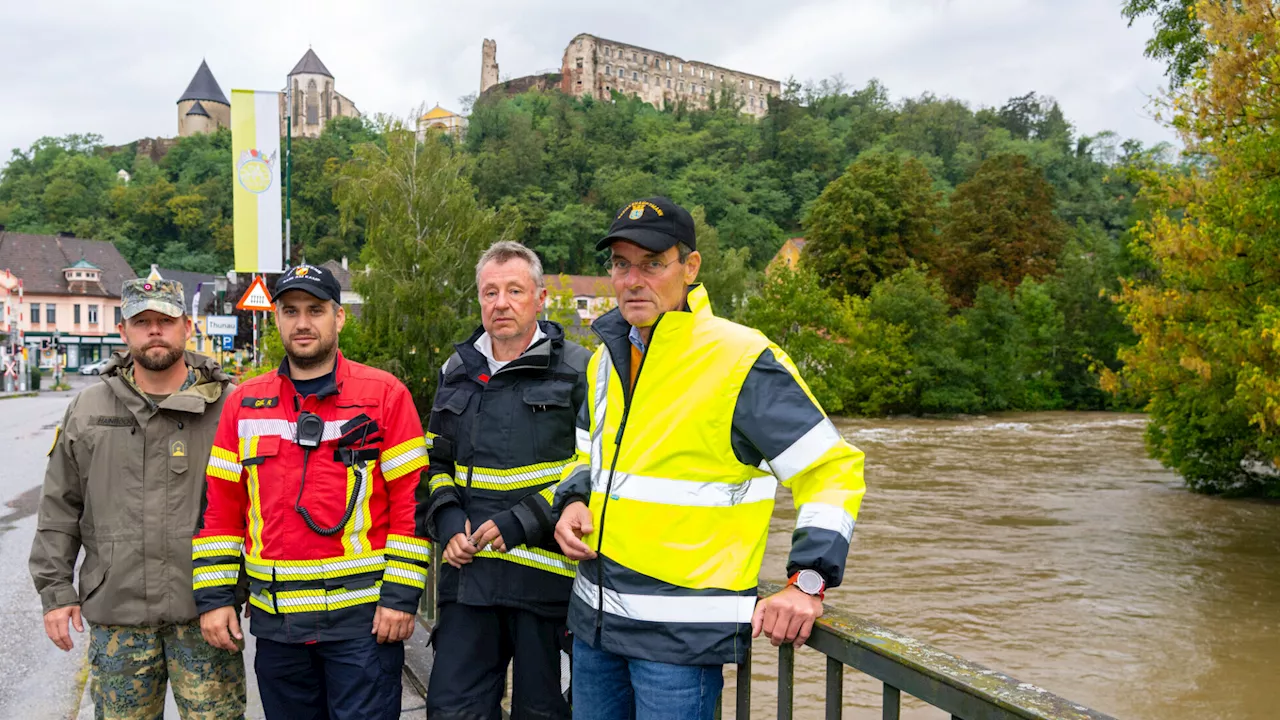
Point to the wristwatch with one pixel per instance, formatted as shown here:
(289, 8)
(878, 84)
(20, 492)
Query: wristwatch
(809, 582)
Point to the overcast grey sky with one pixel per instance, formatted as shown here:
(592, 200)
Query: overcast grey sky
(117, 68)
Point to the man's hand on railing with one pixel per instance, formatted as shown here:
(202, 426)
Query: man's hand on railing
(574, 524)
(786, 616)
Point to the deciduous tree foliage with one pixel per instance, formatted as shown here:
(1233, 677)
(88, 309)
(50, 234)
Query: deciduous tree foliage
(1208, 349)
(1000, 228)
(424, 231)
(871, 222)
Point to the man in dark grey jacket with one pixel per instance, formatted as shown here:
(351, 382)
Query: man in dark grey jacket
(501, 431)
(125, 482)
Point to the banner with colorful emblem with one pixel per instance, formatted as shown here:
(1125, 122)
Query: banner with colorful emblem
(255, 150)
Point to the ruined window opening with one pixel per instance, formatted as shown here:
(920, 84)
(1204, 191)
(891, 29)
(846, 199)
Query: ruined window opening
(633, 57)
(608, 69)
(622, 73)
(635, 75)
(579, 63)
(668, 83)
(646, 60)
(681, 68)
(680, 86)
(313, 104)
(668, 64)
(646, 78)
(752, 84)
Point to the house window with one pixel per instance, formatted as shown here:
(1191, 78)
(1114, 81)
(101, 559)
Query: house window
(752, 84)
(582, 303)
(35, 313)
(681, 68)
(51, 314)
(633, 57)
(668, 64)
(702, 72)
(118, 318)
(93, 314)
(75, 315)
(646, 60)
(622, 73)
(680, 86)
(608, 69)
(635, 75)
(668, 83)
(753, 102)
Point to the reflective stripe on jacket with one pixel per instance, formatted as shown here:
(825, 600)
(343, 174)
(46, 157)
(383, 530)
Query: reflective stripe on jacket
(304, 585)
(499, 445)
(680, 475)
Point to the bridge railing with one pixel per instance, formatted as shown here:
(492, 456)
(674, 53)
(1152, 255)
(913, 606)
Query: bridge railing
(966, 690)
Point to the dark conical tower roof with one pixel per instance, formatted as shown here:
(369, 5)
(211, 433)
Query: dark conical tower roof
(198, 109)
(310, 63)
(204, 87)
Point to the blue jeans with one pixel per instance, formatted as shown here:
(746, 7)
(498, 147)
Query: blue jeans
(607, 686)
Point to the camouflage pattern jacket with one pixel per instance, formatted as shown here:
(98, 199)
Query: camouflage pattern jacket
(125, 482)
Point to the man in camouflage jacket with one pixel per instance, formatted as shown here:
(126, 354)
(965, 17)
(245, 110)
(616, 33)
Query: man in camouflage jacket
(124, 482)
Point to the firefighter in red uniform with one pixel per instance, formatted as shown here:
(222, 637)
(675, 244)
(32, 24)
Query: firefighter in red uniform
(311, 485)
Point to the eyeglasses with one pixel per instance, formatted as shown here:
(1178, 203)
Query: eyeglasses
(619, 267)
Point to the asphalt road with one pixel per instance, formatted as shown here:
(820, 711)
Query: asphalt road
(37, 680)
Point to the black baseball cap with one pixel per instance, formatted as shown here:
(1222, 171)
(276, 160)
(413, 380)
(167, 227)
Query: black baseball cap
(654, 224)
(311, 279)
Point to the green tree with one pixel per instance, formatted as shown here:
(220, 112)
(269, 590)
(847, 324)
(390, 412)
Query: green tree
(424, 231)
(724, 270)
(1000, 228)
(1179, 38)
(1208, 349)
(871, 222)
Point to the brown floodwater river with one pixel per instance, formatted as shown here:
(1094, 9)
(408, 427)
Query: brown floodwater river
(1048, 546)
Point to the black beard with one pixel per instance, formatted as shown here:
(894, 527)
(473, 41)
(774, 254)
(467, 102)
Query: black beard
(164, 362)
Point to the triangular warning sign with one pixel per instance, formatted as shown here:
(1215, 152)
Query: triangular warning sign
(257, 297)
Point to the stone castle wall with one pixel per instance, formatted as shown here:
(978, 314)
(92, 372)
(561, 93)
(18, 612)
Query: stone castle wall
(597, 67)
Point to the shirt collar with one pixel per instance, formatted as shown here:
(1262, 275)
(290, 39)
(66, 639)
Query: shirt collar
(634, 337)
(484, 344)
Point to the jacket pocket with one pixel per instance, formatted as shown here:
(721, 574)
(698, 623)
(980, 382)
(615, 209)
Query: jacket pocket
(93, 573)
(551, 417)
(255, 450)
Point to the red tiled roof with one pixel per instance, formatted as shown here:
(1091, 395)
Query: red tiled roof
(582, 285)
(40, 259)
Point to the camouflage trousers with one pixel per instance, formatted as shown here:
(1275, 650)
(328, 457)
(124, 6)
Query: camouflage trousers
(129, 667)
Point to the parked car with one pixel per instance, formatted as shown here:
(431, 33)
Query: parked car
(95, 367)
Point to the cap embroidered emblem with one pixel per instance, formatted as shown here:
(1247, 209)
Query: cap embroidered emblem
(636, 212)
(301, 272)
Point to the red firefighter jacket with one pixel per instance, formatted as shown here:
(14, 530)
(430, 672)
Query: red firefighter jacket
(270, 499)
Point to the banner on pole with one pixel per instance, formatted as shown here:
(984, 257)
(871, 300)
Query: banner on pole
(255, 150)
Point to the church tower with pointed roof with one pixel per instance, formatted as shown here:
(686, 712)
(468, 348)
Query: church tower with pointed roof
(203, 108)
(315, 101)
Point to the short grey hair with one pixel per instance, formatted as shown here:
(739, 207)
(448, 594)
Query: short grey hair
(505, 250)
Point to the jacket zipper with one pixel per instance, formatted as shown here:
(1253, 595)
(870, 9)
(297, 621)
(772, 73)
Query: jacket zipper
(617, 450)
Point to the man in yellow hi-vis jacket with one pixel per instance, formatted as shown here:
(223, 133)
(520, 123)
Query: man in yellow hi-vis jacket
(690, 423)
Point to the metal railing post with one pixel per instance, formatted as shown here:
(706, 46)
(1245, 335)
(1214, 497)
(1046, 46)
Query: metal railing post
(786, 680)
(835, 689)
(742, 709)
(892, 703)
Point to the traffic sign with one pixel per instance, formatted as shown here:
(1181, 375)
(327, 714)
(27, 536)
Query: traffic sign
(257, 297)
(228, 342)
(221, 324)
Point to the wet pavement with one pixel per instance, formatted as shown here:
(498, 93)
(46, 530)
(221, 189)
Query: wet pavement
(37, 680)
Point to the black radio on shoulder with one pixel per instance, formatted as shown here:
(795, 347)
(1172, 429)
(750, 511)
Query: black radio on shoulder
(310, 430)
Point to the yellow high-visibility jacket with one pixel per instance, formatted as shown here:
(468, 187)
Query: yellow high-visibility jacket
(680, 474)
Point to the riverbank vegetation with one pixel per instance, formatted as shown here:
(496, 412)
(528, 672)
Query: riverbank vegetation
(956, 259)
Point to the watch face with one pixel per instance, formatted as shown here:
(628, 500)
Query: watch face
(810, 582)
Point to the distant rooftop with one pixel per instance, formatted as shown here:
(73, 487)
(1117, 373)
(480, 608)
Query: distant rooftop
(310, 64)
(204, 87)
